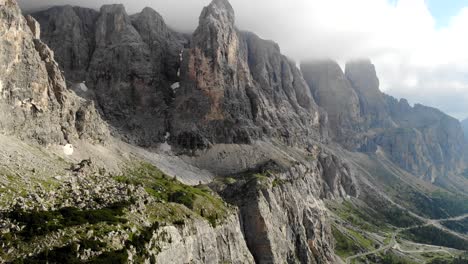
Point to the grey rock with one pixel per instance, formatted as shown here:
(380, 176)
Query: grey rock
(199, 242)
(236, 87)
(413, 137)
(133, 60)
(421, 140)
(34, 99)
(34, 26)
(435, 144)
(69, 31)
(464, 124)
(283, 216)
(333, 92)
(363, 78)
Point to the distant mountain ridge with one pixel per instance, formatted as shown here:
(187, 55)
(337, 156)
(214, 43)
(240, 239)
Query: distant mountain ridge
(464, 125)
(420, 139)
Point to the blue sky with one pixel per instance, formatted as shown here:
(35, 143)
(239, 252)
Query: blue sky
(443, 10)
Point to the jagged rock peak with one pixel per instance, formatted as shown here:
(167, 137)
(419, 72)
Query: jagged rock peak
(150, 24)
(113, 8)
(218, 10)
(149, 12)
(115, 26)
(333, 92)
(362, 73)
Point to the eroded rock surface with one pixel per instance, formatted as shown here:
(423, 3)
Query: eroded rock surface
(333, 91)
(420, 139)
(34, 100)
(236, 88)
(282, 212)
(129, 64)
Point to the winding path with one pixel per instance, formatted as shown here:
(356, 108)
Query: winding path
(428, 222)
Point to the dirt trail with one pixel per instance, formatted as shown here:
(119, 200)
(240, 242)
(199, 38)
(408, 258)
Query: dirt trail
(393, 244)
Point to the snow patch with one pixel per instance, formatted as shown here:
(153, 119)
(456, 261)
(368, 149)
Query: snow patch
(181, 59)
(181, 55)
(1, 86)
(83, 87)
(165, 147)
(317, 119)
(68, 149)
(175, 86)
(80, 86)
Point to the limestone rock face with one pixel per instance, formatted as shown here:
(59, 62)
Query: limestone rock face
(128, 63)
(34, 26)
(284, 218)
(363, 78)
(430, 142)
(236, 87)
(201, 243)
(34, 99)
(464, 124)
(69, 31)
(333, 92)
(421, 140)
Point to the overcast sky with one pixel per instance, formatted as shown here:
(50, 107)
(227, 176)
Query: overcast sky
(419, 47)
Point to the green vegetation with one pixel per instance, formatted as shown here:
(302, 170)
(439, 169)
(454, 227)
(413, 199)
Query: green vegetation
(198, 199)
(432, 255)
(436, 205)
(278, 182)
(114, 257)
(458, 260)
(37, 223)
(394, 259)
(385, 258)
(434, 236)
(350, 242)
(453, 204)
(344, 246)
(458, 226)
(376, 217)
(68, 254)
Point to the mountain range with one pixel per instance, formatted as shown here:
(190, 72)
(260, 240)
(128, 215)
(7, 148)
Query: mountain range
(124, 141)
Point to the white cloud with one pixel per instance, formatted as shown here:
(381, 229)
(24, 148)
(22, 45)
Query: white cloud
(413, 57)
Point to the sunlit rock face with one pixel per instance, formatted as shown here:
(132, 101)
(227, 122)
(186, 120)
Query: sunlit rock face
(236, 87)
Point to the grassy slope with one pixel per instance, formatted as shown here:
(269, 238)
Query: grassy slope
(373, 214)
(174, 204)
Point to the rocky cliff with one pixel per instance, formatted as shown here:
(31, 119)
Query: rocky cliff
(236, 87)
(222, 102)
(420, 139)
(227, 87)
(334, 93)
(132, 60)
(282, 212)
(464, 124)
(34, 98)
